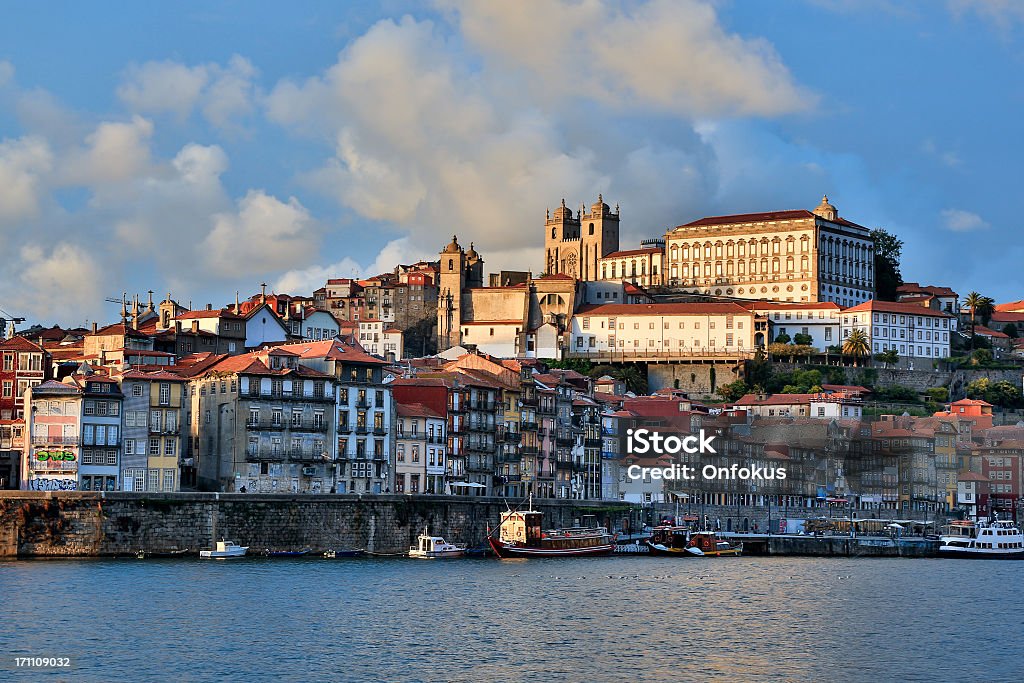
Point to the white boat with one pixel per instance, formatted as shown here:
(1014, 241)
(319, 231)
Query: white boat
(1000, 539)
(224, 549)
(429, 547)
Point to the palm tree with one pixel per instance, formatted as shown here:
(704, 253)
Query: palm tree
(974, 301)
(857, 345)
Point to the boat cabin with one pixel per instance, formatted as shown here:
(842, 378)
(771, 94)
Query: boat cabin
(521, 527)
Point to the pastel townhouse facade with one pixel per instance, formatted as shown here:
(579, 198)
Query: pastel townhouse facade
(364, 442)
(23, 364)
(913, 331)
(263, 423)
(420, 458)
(153, 418)
(53, 437)
(101, 433)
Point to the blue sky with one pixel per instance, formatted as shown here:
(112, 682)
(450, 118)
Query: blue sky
(202, 148)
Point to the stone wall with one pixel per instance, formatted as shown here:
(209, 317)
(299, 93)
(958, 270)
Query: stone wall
(919, 380)
(699, 379)
(36, 524)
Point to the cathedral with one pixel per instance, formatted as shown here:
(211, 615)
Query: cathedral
(574, 245)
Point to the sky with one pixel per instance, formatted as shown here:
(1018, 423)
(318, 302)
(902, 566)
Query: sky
(201, 148)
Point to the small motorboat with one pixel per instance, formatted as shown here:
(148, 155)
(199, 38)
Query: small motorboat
(287, 553)
(224, 550)
(682, 541)
(432, 547)
(332, 554)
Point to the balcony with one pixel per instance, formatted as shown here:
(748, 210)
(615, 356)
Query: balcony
(528, 450)
(173, 431)
(305, 426)
(362, 429)
(363, 402)
(48, 465)
(528, 400)
(303, 455)
(344, 429)
(439, 440)
(529, 426)
(264, 424)
(380, 431)
(259, 455)
(564, 438)
(55, 440)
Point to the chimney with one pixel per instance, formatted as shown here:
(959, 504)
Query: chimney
(209, 307)
(195, 325)
(95, 327)
(177, 327)
(237, 306)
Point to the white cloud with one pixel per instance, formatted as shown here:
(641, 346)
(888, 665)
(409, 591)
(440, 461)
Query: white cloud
(672, 55)
(313, 277)
(1001, 13)
(222, 93)
(958, 220)
(22, 163)
(115, 151)
(6, 73)
(264, 235)
(61, 284)
(156, 87)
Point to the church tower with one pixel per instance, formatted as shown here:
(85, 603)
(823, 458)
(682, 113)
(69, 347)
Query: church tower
(599, 231)
(561, 242)
(474, 268)
(451, 282)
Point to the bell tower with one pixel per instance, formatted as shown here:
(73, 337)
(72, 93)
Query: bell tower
(451, 282)
(599, 236)
(561, 240)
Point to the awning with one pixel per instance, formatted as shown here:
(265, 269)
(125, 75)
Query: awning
(469, 484)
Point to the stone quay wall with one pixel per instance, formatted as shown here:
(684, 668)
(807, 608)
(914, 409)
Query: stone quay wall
(80, 524)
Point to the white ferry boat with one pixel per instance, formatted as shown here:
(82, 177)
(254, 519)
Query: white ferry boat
(224, 549)
(431, 547)
(1000, 539)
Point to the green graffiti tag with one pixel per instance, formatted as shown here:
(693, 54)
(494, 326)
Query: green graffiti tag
(56, 456)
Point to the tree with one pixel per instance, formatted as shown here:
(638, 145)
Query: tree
(890, 357)
(782, 338)
(1010, 330)
(802, 339)
(734, 391)
(857, 345)
(888, 249)
(974, 301)
(986, 308)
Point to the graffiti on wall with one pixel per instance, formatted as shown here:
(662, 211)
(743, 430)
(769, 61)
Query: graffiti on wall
(52, 484)
(55, 456)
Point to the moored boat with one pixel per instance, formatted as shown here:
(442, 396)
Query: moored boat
(435, 547)
(682, 541)
(224, 549)
(1000, 539)
(519, 534)
(287, 553)
(332, 554)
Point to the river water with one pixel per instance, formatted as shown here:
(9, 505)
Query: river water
(592, 619)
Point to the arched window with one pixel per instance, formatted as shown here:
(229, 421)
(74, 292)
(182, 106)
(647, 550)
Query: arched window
(552, 233)
(591, 228)
(451, 264)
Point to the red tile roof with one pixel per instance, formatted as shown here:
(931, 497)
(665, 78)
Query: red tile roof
(416, 410)
(699, 308)
(216, 313)
(915, 288)
(986, 332)
(895, 307)
(790, 305)
(634, 252)
(19, 344)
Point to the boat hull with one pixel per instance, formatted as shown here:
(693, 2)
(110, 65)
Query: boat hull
(665, 551)
(217, 555)
(435, 554)
(505, 550)
(981, 554)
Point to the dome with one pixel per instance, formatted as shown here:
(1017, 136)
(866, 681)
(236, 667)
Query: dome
(563, 212)
(471, 254)
(454, 247)
(599, 207)
(826, 210)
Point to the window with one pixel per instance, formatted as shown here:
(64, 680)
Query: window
(154, 446)
(136, 390)
(165, 393)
